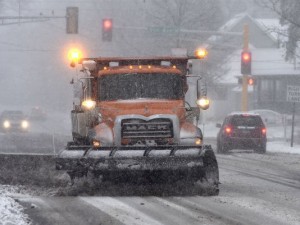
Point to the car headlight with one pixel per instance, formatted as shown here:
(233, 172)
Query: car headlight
(24, 124)
(6, 124)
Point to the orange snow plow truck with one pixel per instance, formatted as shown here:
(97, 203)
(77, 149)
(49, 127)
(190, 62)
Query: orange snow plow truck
(131, 116)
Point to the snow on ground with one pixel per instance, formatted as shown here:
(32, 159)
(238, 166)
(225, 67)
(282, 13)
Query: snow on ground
(11, 212)
(284, 147)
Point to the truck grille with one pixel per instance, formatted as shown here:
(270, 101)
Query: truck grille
(151, 129)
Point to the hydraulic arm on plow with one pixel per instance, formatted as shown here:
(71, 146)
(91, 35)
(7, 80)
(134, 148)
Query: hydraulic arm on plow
(131, 116)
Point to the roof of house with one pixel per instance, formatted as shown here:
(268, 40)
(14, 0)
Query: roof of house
(266, 61)
(235, 27)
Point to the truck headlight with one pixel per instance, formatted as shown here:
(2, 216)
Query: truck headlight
(96, 144)
(6, 124)
(198, 141)
(203, 103)
(88, 104)
(24, 124)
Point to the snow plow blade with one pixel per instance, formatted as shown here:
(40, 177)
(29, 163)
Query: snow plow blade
(130, 158)
(196, 162)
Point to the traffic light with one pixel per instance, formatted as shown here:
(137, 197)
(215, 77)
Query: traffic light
(72, 20)
(251, 81)
(246, 63)
(107, 26)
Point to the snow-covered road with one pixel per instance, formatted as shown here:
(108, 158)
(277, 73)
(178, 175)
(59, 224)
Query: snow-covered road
(255, 189)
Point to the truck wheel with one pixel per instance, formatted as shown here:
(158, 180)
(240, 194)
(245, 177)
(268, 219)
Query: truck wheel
(211, 172)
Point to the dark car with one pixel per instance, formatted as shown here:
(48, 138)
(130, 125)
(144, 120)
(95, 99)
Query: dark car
(242, 131)
(13, 121)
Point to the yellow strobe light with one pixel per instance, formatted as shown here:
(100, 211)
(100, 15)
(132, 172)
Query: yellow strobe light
(201, 53)
(74, 55)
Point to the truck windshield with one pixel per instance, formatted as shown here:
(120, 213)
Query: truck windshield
(135, 86)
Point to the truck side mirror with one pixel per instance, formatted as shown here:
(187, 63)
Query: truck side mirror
(188, 107)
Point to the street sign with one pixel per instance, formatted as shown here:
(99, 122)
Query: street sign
(293, 93)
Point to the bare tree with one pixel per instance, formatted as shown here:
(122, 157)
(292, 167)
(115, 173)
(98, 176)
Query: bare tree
(288, 11)
(178, 16)
(187, 24)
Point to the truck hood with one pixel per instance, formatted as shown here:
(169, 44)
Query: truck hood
(110, 110)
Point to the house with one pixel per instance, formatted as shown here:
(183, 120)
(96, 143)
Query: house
(272, 74)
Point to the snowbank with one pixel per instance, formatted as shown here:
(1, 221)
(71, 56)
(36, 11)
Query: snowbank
(284, 147)
(11, 212)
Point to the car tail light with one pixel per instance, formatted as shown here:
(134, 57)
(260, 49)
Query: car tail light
(264, 131)
(228, 130)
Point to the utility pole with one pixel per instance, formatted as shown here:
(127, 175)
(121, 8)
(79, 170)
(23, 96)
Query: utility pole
(245, 76)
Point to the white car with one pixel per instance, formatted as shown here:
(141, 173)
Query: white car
(270, 117)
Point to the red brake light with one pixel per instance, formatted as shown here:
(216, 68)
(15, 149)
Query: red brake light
(228, 130)
(264, 130)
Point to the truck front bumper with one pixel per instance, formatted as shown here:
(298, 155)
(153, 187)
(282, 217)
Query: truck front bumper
(131, 158)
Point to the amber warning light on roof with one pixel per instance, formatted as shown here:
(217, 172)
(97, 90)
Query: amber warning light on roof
(201, 53)
(74, 55)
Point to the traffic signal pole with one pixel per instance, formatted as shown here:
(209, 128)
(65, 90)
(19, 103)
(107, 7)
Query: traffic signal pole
(245, 76)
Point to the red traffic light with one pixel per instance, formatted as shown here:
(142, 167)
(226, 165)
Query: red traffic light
(246, 56)
(246, 62)
(107, 24)
(250, 81)
(107, 27)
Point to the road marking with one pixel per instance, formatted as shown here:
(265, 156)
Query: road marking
(120, 211)
(181, 209)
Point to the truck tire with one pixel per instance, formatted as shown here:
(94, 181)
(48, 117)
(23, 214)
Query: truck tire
(211, 172)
